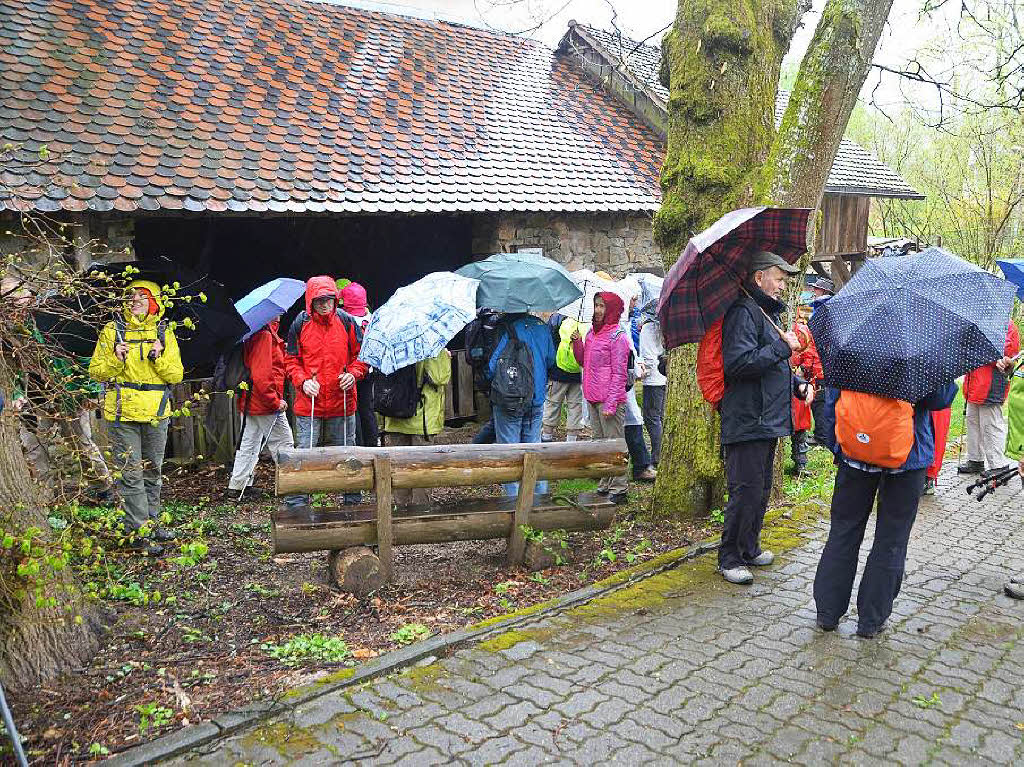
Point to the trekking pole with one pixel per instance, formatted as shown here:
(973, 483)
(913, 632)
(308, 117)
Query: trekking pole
(344, 418)
(997, 481)
(12, 731)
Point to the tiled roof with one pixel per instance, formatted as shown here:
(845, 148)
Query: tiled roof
(855, 169)
(293, 105)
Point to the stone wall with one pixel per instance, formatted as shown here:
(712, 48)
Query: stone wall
(618, 243)
(91, 238)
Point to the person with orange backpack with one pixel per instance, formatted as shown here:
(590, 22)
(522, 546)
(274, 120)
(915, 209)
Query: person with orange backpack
(883, 449)
(756, 410)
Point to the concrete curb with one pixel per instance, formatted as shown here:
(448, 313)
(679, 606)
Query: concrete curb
(181, 741)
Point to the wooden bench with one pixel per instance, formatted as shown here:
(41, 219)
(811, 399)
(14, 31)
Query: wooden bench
(348, 531)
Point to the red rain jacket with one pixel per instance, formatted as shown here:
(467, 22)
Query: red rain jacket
(806, 364)
(264, 355)
(986, 385)
(324, 347)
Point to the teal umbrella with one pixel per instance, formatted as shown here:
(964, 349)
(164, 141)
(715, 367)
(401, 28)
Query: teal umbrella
(521, 282)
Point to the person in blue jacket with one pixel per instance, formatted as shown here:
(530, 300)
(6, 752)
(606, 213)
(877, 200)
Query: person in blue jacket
(898, 492)
(510, 427)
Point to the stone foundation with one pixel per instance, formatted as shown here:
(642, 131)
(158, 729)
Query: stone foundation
(618, 243)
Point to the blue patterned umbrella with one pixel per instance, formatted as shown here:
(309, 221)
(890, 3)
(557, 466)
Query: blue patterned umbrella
(904, 326)
(1013, 270)
(267, 301)
(418, 321)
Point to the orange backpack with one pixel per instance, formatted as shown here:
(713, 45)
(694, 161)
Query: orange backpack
(873, 429)
(710, 368)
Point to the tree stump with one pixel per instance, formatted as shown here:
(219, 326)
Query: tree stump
(356, 570)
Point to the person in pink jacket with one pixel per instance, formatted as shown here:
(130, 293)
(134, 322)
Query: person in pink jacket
(605, 357)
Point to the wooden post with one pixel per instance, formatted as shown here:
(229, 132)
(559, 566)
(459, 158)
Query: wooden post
(385, 537)
(524, 503)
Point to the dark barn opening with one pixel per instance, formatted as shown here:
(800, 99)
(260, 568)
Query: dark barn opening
(382, 252)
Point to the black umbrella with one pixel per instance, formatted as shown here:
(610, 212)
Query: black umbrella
(904, 326)
(217, 324)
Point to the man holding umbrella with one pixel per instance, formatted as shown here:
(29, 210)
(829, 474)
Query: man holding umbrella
(756, 410)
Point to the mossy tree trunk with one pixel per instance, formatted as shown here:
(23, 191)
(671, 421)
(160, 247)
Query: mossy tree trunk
(36, 642)
(721, 62)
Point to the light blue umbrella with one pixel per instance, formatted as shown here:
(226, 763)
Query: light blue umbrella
(650, 287)
(267, 301)
(1013, 270)
(418, 321)
(521, 282)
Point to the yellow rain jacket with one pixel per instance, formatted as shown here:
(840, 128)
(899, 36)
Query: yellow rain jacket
(138, 389)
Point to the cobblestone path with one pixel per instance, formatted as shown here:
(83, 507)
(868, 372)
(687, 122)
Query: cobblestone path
(683, 668)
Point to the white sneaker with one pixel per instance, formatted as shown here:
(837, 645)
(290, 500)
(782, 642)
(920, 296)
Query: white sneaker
(763, 559)
(739, 575)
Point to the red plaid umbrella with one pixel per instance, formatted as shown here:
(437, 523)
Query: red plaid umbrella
(706, 279)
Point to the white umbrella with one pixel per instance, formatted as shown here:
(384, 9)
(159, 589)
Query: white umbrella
(418, 321)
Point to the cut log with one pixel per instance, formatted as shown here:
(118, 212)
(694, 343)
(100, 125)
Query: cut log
(296, 530)
(356, 570)
(337, 469)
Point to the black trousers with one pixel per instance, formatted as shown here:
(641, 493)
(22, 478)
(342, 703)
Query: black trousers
(822, 423)
(366, 420)
(748, 474)
(852, 501)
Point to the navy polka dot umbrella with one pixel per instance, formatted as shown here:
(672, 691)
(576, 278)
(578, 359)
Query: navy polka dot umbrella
(903, 326)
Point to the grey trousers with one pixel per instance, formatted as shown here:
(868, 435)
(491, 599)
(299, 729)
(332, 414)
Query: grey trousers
(986, 435)
(138, 450)
(557, 393)
(406, 496)
(603, 427)
(270, 431)
(75, 432)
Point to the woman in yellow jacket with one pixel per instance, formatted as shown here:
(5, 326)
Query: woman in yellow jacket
(433, 375)
(137, 358)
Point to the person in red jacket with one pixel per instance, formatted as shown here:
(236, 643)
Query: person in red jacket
(264, 423)
(321, 361)
(807, 364)
(985, 390)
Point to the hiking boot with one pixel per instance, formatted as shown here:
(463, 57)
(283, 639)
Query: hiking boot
(763, 559)
(106, 497)
(618, 498)
(971, 467)
(547, 438)
(995, 472)
(162, 535)
(929, 486)
(229, 496)
(866, 633)
(1014, 590)
(146, 546)
(741, 576)
(826, 625)
(602, 491)
(647, 475)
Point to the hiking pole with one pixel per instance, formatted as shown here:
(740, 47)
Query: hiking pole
(997, 481)
(12, 731)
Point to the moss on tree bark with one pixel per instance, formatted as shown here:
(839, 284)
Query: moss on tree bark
(36, 642)
(721, 62)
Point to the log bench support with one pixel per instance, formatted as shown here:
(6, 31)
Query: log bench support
(347, 533)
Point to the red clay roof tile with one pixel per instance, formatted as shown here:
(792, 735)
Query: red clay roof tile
(255, 105)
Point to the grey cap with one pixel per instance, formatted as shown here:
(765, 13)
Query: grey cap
(766, 259)
(823, 283)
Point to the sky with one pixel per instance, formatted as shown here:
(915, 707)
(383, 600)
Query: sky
(903, 35)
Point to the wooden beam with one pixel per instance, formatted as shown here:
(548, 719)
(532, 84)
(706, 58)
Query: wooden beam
(474, 520)
(527, 486)
(338, 469)
(382, 487)
(840, 272)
